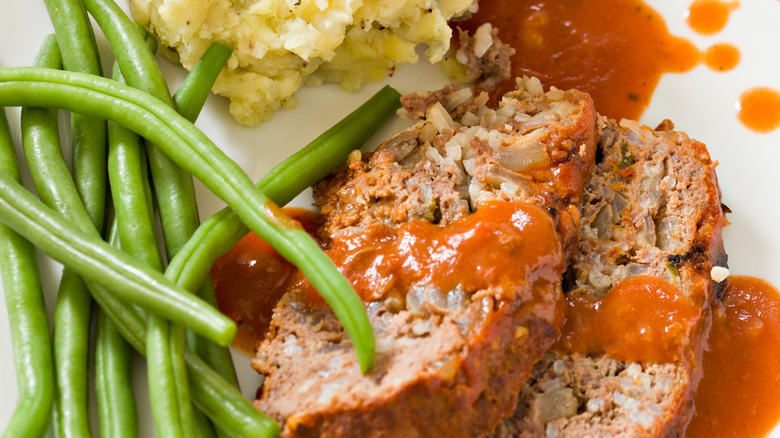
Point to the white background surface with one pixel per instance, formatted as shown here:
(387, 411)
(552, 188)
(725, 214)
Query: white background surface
(700, 102)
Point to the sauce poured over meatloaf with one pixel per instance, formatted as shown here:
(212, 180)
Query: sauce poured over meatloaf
(455, 233)
(639, 291)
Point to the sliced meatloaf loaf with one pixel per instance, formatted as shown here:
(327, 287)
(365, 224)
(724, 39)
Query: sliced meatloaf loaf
(450, 234)
(638, 292)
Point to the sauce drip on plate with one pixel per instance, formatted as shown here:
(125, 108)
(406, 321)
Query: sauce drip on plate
(737, 396)
(708, 17)
(759, 109)
(722, 57)
(616, 50)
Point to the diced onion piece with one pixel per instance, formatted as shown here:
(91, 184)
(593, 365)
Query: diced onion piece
(518, 159)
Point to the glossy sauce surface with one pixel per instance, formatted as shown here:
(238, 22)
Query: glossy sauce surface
(641, 319)
(737, 396)
(616, 50)
(759, 109)
(250, 279)
(500, 245)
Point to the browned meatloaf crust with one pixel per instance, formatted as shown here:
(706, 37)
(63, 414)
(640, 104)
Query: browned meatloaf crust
(449, 362)
(651, 207)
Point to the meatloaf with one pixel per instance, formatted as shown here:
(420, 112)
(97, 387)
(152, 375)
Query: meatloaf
(455, 234)
(638, 292)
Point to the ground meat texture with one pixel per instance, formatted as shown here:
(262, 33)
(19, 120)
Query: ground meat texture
(486, 59)
(651, 211)
(451, 358)
(535, 147)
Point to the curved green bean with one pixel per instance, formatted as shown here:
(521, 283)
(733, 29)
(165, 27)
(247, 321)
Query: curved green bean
(40, 135)
(191, 149)
(189, 100)
(27, 317)
(77, 44)
(224, 405)
(283, 183)
(98, 262)
(138, 237)
(227, 408)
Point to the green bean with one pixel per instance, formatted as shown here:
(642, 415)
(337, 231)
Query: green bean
(27, 318)
(117, 413)
(330, 149)
(172, 185)
(285, 181)
(226, 407)
(71, 355)
(137, 234)
(40, 134)
(132, 325)
(193, 91)
(76, 42)
(98, 262)
(188, 100)
(178, 216)
(189, 147)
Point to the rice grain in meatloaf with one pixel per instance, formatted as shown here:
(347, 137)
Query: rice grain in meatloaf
(452, 352)
(649, 240)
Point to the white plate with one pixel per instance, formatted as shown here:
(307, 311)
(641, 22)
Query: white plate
(700, 102)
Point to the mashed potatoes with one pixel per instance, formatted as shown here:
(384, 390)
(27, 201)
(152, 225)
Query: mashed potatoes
(279, 45)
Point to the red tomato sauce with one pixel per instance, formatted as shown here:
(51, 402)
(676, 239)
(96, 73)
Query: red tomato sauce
(759, 109)
(708, 17)
(498, 246)
(501, 245)
(616, 50)
(738, 395)
(641, 319)
(722, 57)
(251, 278)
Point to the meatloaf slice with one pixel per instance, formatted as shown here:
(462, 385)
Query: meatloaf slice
(638, 292)
(450, 234)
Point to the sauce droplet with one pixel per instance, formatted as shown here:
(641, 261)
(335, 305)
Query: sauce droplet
(759, 109)
(722, 57)
(615, 50)
(709, 16)
(737, 396)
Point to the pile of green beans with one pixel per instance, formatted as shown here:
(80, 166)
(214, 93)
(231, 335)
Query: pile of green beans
(139, 306)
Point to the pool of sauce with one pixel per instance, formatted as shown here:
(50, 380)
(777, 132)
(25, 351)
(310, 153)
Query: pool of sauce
(641, 319)
(616, 50)
(738, 395)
